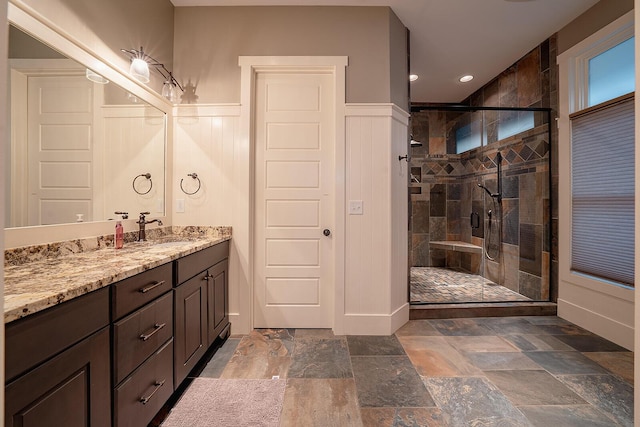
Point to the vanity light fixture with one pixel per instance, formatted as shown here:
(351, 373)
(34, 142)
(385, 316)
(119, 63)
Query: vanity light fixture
(95, 77)
(466, 78)
(169, 90)
(139, 70)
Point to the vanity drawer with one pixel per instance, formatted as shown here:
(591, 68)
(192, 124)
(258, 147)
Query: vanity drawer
(140, 334)
(139, 398)
(134, 292)
(189, 266)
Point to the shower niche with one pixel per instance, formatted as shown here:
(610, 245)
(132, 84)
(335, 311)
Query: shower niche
(480, 206)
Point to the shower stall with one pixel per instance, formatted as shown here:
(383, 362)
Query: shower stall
(480, 209)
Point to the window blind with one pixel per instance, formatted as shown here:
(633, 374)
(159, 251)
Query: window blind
(602, 183)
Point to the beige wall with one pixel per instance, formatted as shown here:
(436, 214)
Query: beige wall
(105, 27)
(398, 63)
(209, 40)
(601, 14)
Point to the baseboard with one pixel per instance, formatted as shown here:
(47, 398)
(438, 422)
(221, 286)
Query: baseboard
(376, 324)
(605, 327)
(236, 329)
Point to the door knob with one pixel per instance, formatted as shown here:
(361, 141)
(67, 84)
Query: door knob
(326, 232)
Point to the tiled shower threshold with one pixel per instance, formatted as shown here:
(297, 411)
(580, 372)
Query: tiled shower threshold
(438, 293)
(486, 309)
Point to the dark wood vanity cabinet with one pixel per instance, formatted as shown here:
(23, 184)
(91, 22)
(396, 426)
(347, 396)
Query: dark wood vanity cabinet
(58, 365)
(114, 356)
(190, 299)
(201, 305)
(218, 300)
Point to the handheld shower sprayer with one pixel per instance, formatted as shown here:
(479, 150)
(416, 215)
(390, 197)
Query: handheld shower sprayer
(497, 196)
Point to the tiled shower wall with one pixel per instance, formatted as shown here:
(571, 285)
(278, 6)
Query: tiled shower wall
(447, 191)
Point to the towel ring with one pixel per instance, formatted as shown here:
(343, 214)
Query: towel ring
(145, 175)
(194, 176)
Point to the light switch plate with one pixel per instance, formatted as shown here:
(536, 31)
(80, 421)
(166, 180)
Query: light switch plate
(180, 205)
(355, 207)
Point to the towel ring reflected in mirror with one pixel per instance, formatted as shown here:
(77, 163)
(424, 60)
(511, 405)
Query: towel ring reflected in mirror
(142, 175)
(194, 176)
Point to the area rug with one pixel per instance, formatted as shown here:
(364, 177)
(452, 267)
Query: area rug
(210, 402)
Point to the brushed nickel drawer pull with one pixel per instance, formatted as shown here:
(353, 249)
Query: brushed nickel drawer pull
(157, 384)
(150, 287)
(156, 328)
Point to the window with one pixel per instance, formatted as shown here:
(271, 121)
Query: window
(603, 163)
(515, 123)
(611, 73)
(467, 138)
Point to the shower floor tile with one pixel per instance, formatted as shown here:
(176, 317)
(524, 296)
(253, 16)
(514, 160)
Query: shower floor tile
(443, 285)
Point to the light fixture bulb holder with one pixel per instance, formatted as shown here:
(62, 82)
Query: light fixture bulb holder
(139, 68)
(169, 91)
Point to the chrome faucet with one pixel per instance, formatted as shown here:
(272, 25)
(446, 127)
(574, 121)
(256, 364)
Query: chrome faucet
(142, 222)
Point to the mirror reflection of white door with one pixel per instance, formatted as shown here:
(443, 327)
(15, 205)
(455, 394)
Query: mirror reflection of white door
(294, 146)
(60, 149)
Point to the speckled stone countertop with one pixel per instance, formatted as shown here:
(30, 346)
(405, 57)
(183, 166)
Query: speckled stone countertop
(34, 282)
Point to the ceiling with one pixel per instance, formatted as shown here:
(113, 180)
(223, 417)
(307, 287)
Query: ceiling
(452, 38)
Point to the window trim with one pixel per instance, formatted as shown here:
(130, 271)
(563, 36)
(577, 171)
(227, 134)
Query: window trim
(602, 105)
(573, 97)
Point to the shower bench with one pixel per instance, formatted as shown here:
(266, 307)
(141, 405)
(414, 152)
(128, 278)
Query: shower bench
(456, 245)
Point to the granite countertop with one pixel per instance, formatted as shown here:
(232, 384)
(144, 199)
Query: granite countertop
(38, 284)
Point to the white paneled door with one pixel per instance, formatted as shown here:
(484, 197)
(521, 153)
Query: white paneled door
(60, 116)
(294, 146)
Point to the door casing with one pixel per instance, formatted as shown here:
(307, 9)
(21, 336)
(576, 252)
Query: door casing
(242, 258)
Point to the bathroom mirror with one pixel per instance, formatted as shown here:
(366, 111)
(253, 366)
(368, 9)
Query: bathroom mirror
(81, 148)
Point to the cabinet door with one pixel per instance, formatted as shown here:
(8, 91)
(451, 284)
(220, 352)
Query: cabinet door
(218, 299)
(190, 325)
(72, 389)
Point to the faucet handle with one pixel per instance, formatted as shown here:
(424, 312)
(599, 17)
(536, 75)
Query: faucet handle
(142, 220)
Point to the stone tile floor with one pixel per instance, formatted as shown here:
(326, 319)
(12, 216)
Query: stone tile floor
(443, 285)
(507, 371)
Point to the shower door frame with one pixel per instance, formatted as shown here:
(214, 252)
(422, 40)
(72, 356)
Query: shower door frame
(465, 108)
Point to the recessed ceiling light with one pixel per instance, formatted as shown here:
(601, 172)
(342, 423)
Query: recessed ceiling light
(466, 78)
(413, 77)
